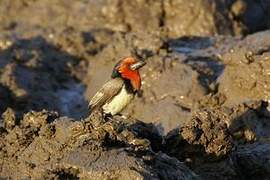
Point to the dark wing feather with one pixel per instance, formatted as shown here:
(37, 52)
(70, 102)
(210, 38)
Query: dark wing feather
(108, 90)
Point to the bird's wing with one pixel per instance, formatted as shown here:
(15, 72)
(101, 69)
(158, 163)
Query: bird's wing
(108, 90)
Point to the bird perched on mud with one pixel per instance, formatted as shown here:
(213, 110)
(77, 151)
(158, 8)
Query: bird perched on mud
(118, 92)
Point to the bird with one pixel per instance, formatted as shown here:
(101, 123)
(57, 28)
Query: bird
(119, 91)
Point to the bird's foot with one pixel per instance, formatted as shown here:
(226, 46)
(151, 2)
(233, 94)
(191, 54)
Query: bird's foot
(123, 116)
(107, 117)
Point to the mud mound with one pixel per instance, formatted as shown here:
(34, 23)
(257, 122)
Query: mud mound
(46, 146)
(217, 142)
(250, 83)
(214, 136)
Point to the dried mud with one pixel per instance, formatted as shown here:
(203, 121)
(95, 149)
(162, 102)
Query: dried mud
(203, 112)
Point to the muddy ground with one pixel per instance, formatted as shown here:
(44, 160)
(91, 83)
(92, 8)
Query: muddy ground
(204, 108)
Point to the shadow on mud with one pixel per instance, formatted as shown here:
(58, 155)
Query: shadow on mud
(36, 75)
(209, 67)
(187, 44)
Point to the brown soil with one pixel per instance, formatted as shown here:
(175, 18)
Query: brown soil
(203, 111)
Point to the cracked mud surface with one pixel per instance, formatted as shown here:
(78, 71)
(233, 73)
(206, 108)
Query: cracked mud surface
(203, 112)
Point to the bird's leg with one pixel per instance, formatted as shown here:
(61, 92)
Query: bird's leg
(103, 115)
(107, 116)
(122, 116)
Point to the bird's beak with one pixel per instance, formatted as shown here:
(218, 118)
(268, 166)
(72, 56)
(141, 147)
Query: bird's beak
(137, 65)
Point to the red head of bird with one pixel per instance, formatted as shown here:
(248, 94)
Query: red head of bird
(128, 69)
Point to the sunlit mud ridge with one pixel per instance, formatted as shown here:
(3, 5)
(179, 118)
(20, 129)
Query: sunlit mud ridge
(45, 146)
(217, 142)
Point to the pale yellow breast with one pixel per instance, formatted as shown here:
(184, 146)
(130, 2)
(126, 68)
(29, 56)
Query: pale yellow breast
(119, 102)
